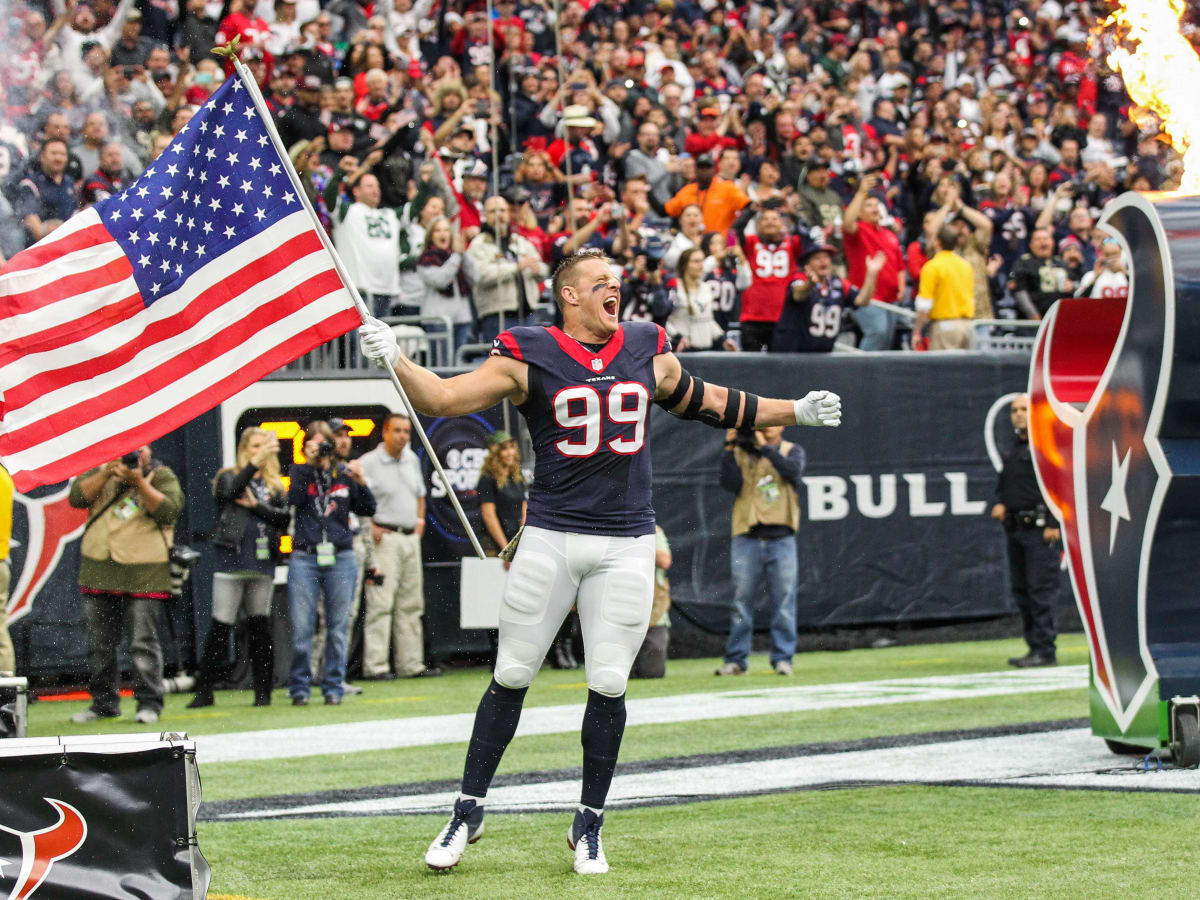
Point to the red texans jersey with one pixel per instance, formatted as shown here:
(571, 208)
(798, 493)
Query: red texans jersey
(588, 414)
(773, 266)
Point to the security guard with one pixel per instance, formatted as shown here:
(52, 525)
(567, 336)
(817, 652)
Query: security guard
(1033, 538)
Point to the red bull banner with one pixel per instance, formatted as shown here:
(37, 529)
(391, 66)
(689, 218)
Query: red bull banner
(100, 818)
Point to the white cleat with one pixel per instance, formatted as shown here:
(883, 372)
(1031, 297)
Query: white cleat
(465, 827)
(584, 838)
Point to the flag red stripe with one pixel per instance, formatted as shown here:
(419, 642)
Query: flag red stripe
(73, 331)
(297, 345)
(112, 272)
(41, 254)
(254, 272)
(162, 376)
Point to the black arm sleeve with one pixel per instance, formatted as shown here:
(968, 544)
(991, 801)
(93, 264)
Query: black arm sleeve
(228, 488)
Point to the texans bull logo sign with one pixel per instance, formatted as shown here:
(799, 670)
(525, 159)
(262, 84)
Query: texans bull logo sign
(51, 524)
(1099, 382)
(41, 849)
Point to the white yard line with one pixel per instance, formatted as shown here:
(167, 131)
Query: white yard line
(1066, 759)
(419, 731)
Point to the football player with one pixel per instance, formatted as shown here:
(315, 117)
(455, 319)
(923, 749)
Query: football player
(585, 391)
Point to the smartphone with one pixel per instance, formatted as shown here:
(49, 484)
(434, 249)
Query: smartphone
(481, 107)
(578, 86)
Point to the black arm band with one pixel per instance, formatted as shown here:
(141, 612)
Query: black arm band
(693, 407)
(681, 389)
(750, 412)
(733, 406)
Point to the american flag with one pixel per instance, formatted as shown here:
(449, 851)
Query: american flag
(156, 304)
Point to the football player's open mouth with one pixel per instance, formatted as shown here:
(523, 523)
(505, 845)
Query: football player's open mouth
(611, 305)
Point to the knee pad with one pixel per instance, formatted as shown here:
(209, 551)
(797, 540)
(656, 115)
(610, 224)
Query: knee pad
(626, 601)
(608, 668)
(527, 591)
(517, 662)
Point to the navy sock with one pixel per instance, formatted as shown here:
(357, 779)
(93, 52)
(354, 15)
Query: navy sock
(603, 728)
(495, 724)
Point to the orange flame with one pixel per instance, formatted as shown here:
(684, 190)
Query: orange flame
(1161, 72)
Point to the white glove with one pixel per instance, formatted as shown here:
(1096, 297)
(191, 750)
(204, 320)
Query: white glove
(377, 342)
(819, 408)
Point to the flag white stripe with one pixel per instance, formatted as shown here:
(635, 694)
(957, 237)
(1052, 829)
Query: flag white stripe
(78, 261)
(69, 309)
(123, 331)
(228, 315)
(193, 383)
(77, 222)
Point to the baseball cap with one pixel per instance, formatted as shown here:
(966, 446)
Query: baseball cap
(705, 159)
(134, 15)
(636, 59)
(310, 83)
(337, 424)
(709, 112)
(496, 438)
(1069, 241)
(477, 169)
(814, 249)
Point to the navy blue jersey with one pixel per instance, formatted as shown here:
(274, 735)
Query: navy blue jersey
(813, 324)
(588, 414)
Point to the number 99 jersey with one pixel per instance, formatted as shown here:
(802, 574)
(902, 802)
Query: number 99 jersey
(588, 414)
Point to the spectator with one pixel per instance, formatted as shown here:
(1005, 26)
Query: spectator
(1109, 278)
(946, 294)
(651, 159)
(1039, 277)
(719, 201)
(817, 303)
(447, 292)
(691, 325)
(395, 599)
(773, 257)
(8, 658)
(762, 471)
(691, 230)
(108, 179)
(505, 269)
(124, 575)
(502, 492)
(820, 205)
(322, 494)
(651, 660)
(367, 237)
(132, 47)
(643, 294)
(725, 265)
(545, 184)
(864, 236)
(252, 514)
(46, 196)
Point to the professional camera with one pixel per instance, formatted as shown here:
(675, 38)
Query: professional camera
(654, 249)
(325, 450)
(746, 439)
(130, 460)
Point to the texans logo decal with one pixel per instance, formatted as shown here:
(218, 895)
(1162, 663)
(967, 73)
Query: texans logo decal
(51, 525)
(1099, 380)
(40, 850)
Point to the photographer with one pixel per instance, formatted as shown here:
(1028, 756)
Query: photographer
(323, 493)
(763, 471)
(643, 296)
(124, 573)
(1032, 541)
(252, 514)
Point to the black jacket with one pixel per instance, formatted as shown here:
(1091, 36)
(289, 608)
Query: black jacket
(232, 518)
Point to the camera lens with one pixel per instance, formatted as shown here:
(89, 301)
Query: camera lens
(129, 460)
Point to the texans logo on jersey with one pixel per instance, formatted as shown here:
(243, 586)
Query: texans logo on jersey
(1099, 382)
(27, 862)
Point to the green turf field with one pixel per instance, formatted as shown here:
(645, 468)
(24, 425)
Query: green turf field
(876, 841)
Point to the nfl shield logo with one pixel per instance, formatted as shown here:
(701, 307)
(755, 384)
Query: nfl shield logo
(597, 365)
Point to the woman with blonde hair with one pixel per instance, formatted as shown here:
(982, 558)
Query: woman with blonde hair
(501, 492)
(252, 515)
(691, 324)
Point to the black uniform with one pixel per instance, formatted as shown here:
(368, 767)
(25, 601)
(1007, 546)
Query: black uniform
(1033, 564)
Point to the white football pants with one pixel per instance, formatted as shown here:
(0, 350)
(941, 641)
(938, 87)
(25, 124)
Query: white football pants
(612, 581)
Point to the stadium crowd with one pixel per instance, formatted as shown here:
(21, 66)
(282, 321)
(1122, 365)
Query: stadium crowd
(720, 152)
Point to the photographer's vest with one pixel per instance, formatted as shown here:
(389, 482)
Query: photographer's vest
(124, 532)
(766, 497)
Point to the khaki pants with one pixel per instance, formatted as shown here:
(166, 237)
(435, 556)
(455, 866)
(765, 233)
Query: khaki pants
(8, 657)
(394, 608)
(950, 334)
